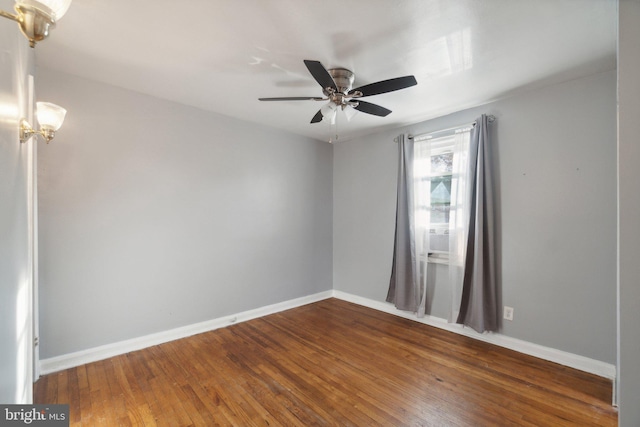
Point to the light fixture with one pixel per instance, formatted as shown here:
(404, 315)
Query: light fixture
(36, 18)
(350, 112)
(50, 118)
(329, 111)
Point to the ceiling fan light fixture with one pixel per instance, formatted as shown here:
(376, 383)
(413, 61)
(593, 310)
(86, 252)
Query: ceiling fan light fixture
(329, 111)
(350, 111)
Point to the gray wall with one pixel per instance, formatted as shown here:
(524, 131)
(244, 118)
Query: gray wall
(155, 215)
(16, 62)
(629, 213)
(555, 171)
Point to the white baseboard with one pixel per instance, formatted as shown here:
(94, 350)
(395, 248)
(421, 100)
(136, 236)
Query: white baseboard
(78, 358)
(71, 360)
(571, 360)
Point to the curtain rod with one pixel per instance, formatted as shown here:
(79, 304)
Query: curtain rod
(490, 119)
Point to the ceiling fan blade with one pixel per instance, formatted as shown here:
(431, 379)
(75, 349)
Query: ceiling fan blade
(385, 86)
(294, 98)
(321, 74)
(317, 118)
(369, 108)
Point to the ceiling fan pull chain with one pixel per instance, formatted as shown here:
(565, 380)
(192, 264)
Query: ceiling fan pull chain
(333, 124)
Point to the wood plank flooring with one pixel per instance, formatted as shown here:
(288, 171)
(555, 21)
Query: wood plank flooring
(330, 363)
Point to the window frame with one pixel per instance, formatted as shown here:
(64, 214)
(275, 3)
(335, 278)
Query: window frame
(441, 142)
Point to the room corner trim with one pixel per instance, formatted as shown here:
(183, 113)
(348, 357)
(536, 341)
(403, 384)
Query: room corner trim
(571, 360)
(95, 354)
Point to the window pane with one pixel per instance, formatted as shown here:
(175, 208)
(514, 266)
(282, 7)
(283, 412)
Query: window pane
(440, 199)
(440, 214)
(440, 203)
(442, 163)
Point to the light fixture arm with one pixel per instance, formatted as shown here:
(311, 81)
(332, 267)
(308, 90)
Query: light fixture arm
(26, 132)
(9, 16)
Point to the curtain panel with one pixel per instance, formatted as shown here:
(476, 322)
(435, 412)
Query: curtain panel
(405, 290)
(479, 297)
(461, 195)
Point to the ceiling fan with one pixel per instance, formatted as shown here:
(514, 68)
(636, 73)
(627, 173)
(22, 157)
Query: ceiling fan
(336, 85)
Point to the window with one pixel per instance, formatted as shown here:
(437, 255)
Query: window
(434, 165)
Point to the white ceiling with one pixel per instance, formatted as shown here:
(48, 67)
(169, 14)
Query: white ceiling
(222, 55)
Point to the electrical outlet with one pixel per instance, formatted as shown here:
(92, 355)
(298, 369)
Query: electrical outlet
(508, 313)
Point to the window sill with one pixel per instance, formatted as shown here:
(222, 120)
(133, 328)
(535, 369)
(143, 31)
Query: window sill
(438, 259)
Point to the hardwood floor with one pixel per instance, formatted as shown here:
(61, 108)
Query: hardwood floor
(330, 363)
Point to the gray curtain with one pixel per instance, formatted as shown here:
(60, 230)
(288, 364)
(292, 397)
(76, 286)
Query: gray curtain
(403, 286)
(478, 308)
